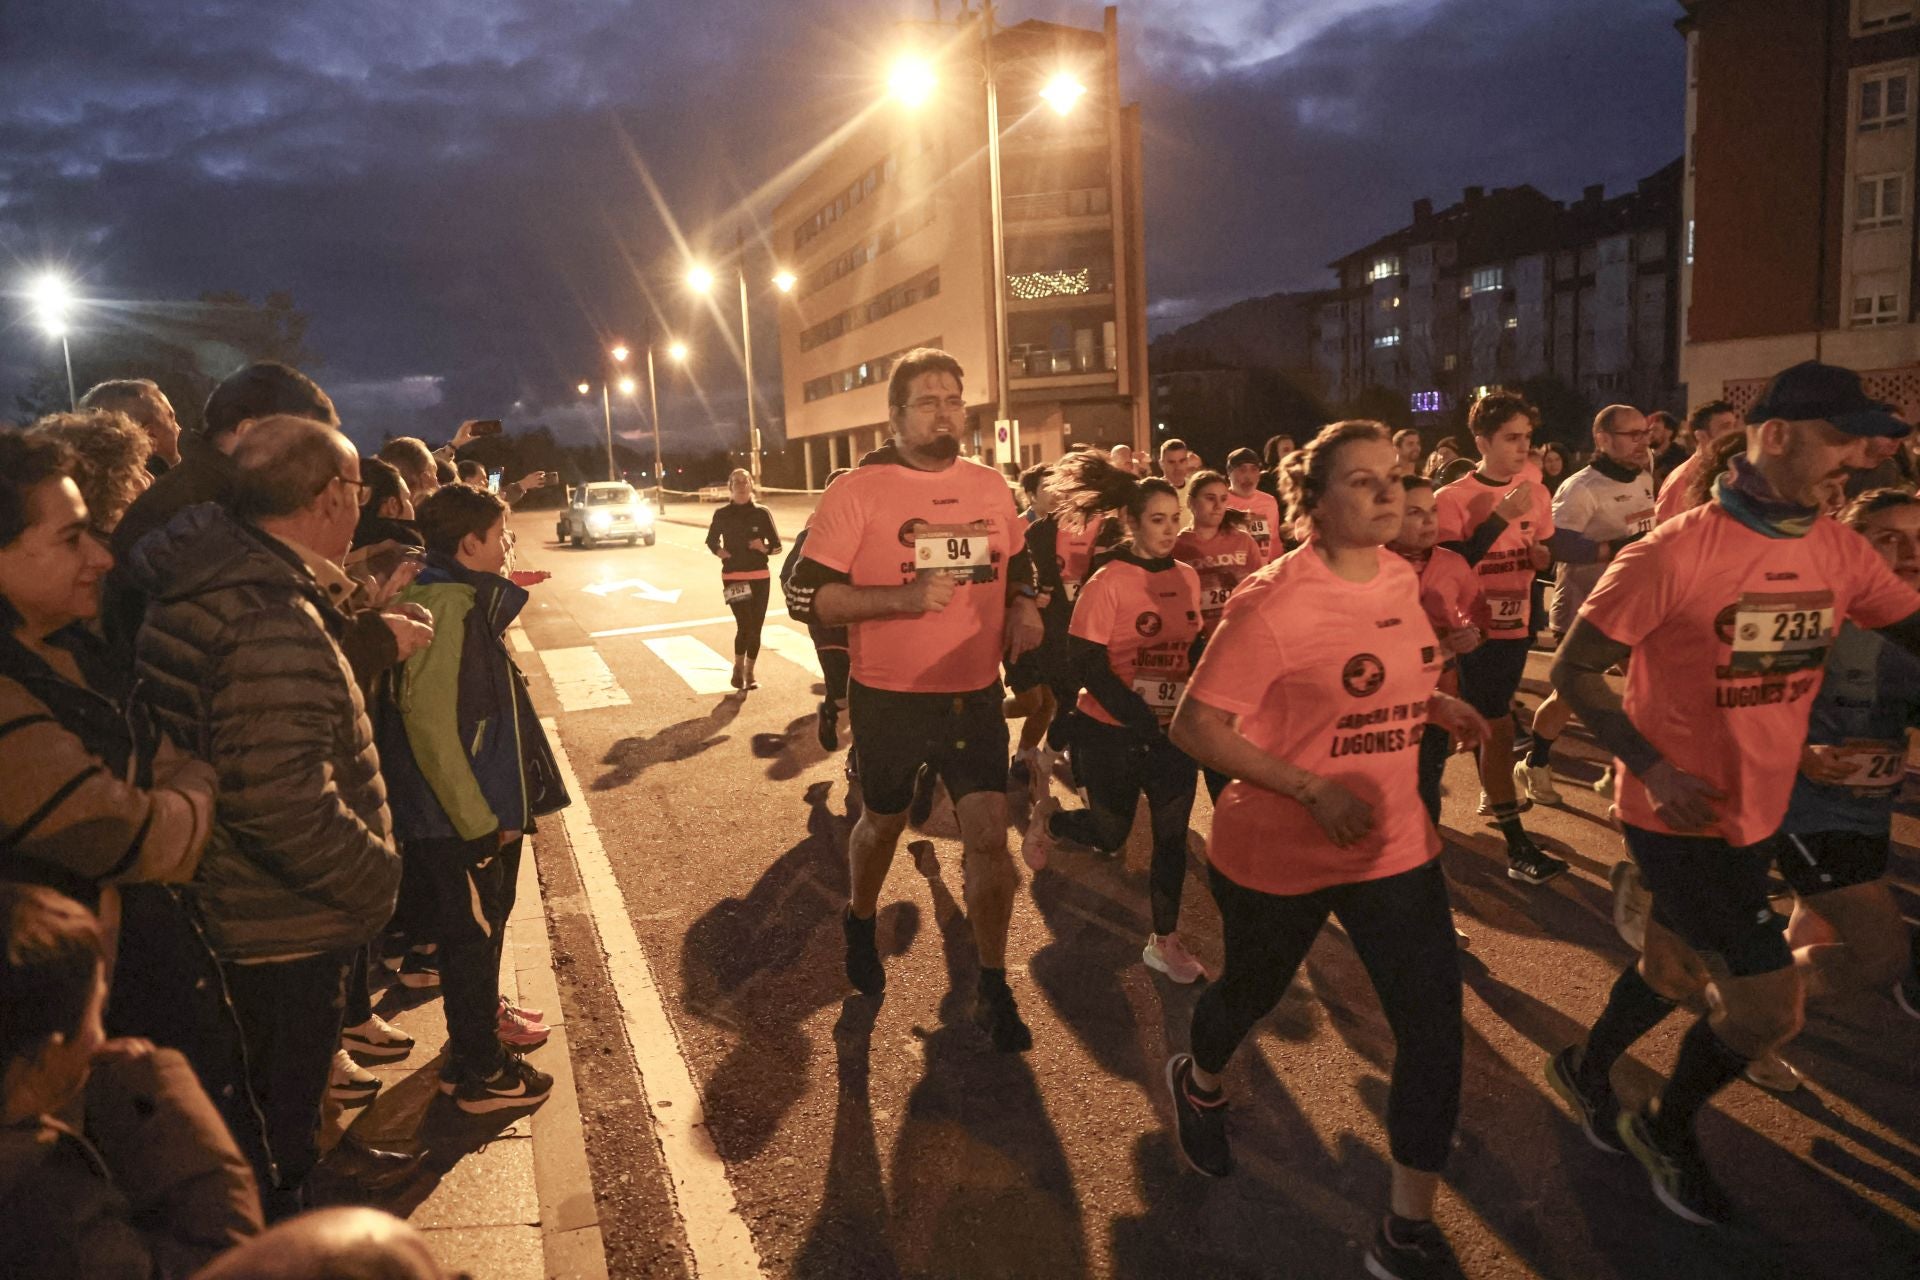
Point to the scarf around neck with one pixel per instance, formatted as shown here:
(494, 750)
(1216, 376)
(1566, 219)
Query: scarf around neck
(1746, 496)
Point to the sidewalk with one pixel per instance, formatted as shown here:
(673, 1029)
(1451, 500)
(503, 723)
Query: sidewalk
(505, 1196)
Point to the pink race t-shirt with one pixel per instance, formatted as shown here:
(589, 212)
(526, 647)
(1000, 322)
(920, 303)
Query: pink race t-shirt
(1073, 551)
(1334, 677)
(1263, 518)
(1673, 497)
(1147, 620)
(1730, 631)
(1224, 561)
(882, 524)
(1506, 572)
(1448, 590)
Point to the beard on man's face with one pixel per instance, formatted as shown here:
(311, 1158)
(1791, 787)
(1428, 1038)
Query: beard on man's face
(942, 448)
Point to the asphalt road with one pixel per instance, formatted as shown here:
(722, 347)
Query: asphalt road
(864, 1138)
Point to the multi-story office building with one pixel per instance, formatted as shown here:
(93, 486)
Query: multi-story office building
(1801, 142)
(891, 241)
(1508, 285)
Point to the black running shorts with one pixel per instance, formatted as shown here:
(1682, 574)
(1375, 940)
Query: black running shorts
(1491, 674)
(1821, 861)
(962, 735)
(1713, 896)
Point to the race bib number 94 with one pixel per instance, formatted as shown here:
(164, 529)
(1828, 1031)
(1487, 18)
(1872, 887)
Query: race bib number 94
(1781, 633)
(963, 552)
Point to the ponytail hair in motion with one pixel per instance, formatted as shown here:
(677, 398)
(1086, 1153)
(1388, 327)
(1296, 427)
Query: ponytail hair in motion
(1232, 517)
(1305, 474)
(1086, 483)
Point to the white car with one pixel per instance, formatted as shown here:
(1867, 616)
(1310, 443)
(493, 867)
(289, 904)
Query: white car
(606, 511)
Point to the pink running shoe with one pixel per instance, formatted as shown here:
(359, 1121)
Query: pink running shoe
(530, 1014)
(517, 1032)
(1036, 843)
(1170, 956)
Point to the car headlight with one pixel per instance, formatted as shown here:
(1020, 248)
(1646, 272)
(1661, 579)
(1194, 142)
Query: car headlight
(601, 520)
(643, 513)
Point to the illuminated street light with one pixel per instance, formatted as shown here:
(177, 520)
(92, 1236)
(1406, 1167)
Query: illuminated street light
(1062, 92)
(628, 386)
(912, 81)
(619, 354)
(699, 279)
(51, 297)
(678, 350)
(784, 281)
(585, 388)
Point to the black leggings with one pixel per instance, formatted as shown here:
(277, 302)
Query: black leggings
(1402, 928)
(1115, 765)
(835, 665)
(1436, 748)
(749, 615)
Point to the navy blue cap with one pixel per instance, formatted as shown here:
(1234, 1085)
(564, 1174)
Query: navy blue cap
(1811, 390)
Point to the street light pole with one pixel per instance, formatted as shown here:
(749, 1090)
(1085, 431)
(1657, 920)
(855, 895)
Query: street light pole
(653, 398)
(746, 345)
(1004, 411)
(606, 407)
(73, 403)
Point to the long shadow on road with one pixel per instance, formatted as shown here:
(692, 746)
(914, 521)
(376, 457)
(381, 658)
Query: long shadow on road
(628, 758)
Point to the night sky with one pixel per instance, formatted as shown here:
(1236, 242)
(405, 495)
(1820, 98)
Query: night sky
(456, 190)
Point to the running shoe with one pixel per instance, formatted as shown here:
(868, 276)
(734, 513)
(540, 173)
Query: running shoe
(1534, 784)
(1411, 1251)
(739, 671)
(1677, 1173)
(1526, 861)
(1170, 956)
(420, 970)
(998, 1014)
(1036, 842)
(376, 1038)
(1773, 1073)
(864, 970)
(1597, 1116)
(519, 1032)
(1485, 808)
(828, 728)
(1200, 1124)
(516, 1085)
(349, 1083)
(531, 1015)
(1632, 904)
(1604, 786)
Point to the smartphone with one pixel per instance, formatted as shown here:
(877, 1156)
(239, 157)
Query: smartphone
(485, 427)
(494, 478)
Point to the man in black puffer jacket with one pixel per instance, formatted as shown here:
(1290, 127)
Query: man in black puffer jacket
(240, 656)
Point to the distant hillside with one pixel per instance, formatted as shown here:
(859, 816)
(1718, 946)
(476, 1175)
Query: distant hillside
(1275, 332)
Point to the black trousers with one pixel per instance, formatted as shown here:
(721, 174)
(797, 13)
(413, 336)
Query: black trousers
(1116, 765)
(836, 664)
(750, 615)
(1402, 928)
(290, 1013)
(470, 887)
(1436, 747)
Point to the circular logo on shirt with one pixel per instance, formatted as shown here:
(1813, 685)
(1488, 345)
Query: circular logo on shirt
(1363, 675)
(908, 530)
(1148, 623)
(1723, 625)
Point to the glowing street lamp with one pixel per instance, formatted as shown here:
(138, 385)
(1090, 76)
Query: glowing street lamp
(628, 386)
(1062, 92)
(912, 81)
(585, 388)
(699, 279)
(51, 298)
(678, 350)
(784, 281)
(619, 354)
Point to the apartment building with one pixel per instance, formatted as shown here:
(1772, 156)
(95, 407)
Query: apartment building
(1507, 285)
(1799, 221)
(891, 240)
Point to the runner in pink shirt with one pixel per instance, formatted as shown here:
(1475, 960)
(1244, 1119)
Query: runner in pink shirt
(1729, 611)
(1136, 628)
(1217, 544)
(1263, 512)
(1312, 696)
(1711, 422)
(917, 553)
(1448, 596)
(1499, 522)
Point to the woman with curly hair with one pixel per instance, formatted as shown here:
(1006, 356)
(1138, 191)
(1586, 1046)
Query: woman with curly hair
(109, 460)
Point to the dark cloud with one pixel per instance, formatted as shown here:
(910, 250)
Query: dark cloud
(450, 187)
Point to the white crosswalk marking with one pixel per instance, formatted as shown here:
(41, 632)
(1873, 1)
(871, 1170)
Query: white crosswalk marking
(792, 645)
(704, 668)
(581, 680)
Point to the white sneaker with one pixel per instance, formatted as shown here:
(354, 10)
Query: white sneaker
(1604, 787)
(349, 1083)
(1530, 783)
(376, 1038)
(1772, 1072)
(1520, 802)
(1632, 904)
(1170, 956)
(1036, 843)
(1483, 809)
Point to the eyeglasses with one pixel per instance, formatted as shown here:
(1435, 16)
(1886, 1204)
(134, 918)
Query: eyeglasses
(363, 492)
(1632, 437)
(934, 404)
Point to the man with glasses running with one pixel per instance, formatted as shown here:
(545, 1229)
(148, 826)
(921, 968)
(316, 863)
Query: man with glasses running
(1730, 610)
(918, 552)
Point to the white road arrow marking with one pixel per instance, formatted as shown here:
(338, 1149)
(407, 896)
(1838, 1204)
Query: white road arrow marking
(639, 588)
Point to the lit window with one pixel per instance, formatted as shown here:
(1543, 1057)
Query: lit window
(1390, 304)
(1883, 101)
(1384, 267)
(1487, 279)
(1450, 363)
(1428, 401)
(1391, 338)
(1689, 241)
(1881, 15)
(1513, 322)
(1876, 308)
(1879, 200)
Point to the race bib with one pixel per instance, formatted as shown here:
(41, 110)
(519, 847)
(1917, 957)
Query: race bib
(1258, 528)
(1162, 696)
(1640, 521)
(1872, 766)
(1780, 633)
(1213, 597)
(1070, 590)
(735, 592)
(965, 554)
(1506, 610)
